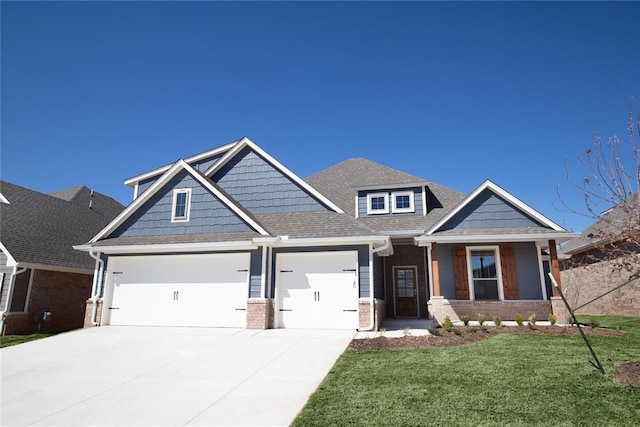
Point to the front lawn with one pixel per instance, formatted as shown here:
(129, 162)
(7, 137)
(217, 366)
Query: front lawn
(10, 340)
(508, 379)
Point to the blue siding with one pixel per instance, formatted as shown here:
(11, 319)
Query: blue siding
(208, 213)
(145, 184)
(363, 263)
(529, 286)
(490, 211)
(417, 201)
(261, 188)
(255, 285)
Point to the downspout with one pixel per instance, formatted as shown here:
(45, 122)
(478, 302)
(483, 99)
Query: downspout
(97, 275)
(12, 281)
(372, 302)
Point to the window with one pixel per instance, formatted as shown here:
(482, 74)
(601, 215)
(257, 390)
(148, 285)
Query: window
(377, 203)
(19, 298)
(181, 205)
(484, 274)
(403, 202)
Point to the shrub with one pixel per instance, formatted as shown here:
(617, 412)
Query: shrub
(447, 323)
(497, 320)
(518, 319)
(456, 331)
(533, 319)
(481, 319)
(434, 331)
(406, 331)
(553, 319)
(594, 323)
(465, 319)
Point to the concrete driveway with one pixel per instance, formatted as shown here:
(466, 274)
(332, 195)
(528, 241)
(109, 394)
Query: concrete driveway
(165, 376)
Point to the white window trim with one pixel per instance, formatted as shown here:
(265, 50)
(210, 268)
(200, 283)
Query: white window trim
(177, 191)
(377, 211)
(397, 194)
(496, 249)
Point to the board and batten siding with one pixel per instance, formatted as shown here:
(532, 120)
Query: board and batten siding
(417, 201)
(207, 213)
(5, 273)
(526, 261)
(261, 188)
(363, 263)
(488, 210)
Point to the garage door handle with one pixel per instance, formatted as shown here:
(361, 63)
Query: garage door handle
(351, 310)
(286, 309)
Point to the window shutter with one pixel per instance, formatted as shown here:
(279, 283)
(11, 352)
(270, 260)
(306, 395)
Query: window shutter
(509, 276)
(460, 273)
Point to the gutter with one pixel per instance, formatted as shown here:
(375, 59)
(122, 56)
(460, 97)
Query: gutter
(12, 281)
(97, 276)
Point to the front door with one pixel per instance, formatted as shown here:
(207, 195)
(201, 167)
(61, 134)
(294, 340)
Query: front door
(404, 279)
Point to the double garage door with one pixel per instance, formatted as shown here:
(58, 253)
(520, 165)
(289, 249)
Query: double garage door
(317, 290)
(179, 290)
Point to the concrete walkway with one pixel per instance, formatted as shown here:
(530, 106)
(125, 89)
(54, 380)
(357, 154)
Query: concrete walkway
(140, 376)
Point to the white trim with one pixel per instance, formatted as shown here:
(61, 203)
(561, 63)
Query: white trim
(164, 179)
(357, 199)
(246, 142)
(492, 238)
(424, 200)
(134, 180)
(496, 250)
(541, 271)
(263, 273)
(390, 187)
(35, 266)
(4, 199)
(172, 247)
(371, 211)
(394, 197)
(505, 195)
(135, 190)
(428, 268)
(415, 284)
(11, 261)
(187, 208)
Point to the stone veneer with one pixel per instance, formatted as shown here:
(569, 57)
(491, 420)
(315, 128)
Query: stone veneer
(260, 313)
(364, 314)
(440, 307)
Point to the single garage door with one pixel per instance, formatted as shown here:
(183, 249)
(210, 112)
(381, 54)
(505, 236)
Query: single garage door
(179, 290)
(317, 290)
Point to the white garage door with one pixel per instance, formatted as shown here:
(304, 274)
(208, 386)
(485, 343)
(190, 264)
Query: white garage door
(179, 290)
(317, 290)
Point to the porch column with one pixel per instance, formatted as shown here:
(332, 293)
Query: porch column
(435, 272)
(555, 267)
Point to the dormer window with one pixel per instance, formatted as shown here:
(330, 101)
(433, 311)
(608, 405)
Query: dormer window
(181, 205)
(402, 202)
(377, 203)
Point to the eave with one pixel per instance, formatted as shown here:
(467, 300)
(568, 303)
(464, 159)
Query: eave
(559, 237)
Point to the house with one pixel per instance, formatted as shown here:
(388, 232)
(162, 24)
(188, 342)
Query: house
(601, 268)
(44, 281)
(231, 237)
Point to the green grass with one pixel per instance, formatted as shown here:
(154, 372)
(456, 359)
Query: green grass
(10, 340)
(507, 380)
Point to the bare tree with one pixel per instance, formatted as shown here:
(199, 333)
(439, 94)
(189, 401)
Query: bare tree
(606, 257)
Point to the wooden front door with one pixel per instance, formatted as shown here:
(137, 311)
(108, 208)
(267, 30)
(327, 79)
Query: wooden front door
(404, 279)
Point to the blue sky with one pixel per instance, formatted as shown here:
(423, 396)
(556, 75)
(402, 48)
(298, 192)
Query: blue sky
(455, 93)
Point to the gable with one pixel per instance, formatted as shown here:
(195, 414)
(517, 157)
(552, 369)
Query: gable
(208, 214)
(262, 188)
(489, 210)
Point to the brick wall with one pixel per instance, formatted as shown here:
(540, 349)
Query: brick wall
(585, 283)
(64, 294)
(364, 313)
(506, 310)
(89, 313)
(260, 313)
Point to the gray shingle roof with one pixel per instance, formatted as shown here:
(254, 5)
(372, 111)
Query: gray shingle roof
(41, 229)
(177, 238)
(313, 225)
(339, 182)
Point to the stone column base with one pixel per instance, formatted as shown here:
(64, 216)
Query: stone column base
(88, 312)
(260, 313)
(560, 310)
(439, 308)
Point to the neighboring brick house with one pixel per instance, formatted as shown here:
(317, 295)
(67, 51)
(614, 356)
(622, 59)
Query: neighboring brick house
(601, 268)
(231, 237)
(40, 272)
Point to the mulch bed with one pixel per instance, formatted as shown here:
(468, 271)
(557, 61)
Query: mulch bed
(469, 334)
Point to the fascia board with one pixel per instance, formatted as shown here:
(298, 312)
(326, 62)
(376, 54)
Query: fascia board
(172, 247)
(391, 187)
(4, 199)
(559, 237)
(126, 213)
(488, 184)
(231, 205)
(131, 182)
(246, 142)
(11, 262)
(34, 266)
(321, 241)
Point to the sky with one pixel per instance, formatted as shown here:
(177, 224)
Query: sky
(93, 93)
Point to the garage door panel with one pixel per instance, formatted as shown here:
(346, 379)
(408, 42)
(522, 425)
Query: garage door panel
(180, 290)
